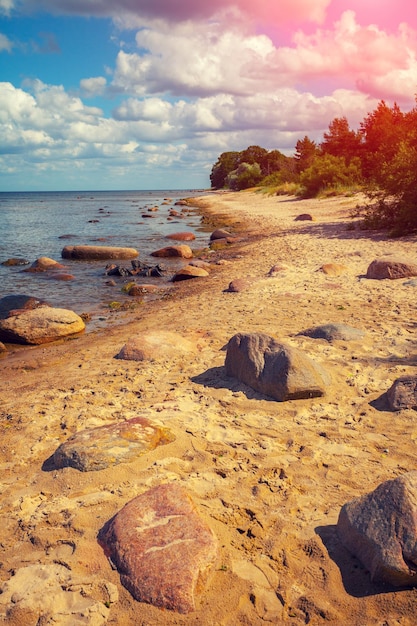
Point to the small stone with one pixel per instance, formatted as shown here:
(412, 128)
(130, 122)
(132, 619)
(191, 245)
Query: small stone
(334, 332)
(333, 269)
(183, 251)
(183, 236)
(189, 271)
(304, 217)
(219, 233)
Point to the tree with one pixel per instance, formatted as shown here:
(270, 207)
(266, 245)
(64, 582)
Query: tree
(246, 175)
(305, 152)
(226, 163)
(328, 171)
(382, 132)
(341, 141)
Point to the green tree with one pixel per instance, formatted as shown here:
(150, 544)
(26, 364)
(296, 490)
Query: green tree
(226, 163)
(305, 152)
(341, 141)
(246, 175)
(328, 171)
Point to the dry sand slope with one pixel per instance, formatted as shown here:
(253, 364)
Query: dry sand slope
(268, 477)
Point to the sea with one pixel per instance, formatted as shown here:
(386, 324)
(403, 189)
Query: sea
(40, 224)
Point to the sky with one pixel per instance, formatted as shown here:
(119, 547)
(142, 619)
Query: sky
(146, 94)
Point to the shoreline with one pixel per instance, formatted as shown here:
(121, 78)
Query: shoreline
(268, 477)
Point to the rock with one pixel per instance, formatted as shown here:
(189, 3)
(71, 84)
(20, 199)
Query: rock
(50, 594)
(182, 251)
(334, 332)
(403, 393)
(333, 269)
(181, 203)
(99, 253)
(162, 548)
(219, 233)
(140, 290)
(2, 348)
(380, 529)
(62, 277)
(238, 285)
(274, 369)
(14, 262)
(14, 304)
(200, 263)
(304, 217)
(184, 236)
(98, 448)
(40, 325)
(276, 269)
(43, 264)
(153, 346)
(391, 267)
(189, 271)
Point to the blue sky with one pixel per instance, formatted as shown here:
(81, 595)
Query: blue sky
(140, 95)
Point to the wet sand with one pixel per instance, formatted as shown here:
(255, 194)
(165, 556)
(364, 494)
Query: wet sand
(268, 477)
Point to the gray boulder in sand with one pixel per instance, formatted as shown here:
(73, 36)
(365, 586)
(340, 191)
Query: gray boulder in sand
(98, 448)
(334, 332)
(403, 393)
(98, 253)
(380, 529)
(162, 548)
(392, 267)
(40, 325)
(274, 369)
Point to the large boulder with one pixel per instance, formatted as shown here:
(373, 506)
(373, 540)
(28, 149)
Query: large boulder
(98, 253)
(274, 369)
(98, 448)
(380, 529)
(40, 325)
(391, 267)
(183, 251)
(403, 393)
(161, 547)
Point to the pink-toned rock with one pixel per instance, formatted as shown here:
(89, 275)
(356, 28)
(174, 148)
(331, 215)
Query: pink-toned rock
(189, 271)
(239, 284)
(15, 304)
(98, 253)
(162, 548)
(43, 264)
(60, 276)
(183, 251)
(183, 236)
(40, 325)
(276, 269)
(200, 263)
(157, 345)
(392, 267)
(98, 448)
(333, 269)
(220, 233)
(140, 290)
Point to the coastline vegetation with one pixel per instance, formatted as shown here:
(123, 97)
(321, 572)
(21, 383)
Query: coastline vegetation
(379, 160)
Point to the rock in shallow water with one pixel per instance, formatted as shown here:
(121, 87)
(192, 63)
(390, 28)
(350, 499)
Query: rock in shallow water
(40, 325)
(98, 448)
(98, 252)
(162, 548)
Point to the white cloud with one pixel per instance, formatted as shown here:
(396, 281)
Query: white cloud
(5, 43)
(92, 87)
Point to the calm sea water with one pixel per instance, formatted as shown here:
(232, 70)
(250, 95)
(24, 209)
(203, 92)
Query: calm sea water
(37, 224)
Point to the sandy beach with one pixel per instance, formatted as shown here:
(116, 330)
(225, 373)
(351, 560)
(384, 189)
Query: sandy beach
(268, 477)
